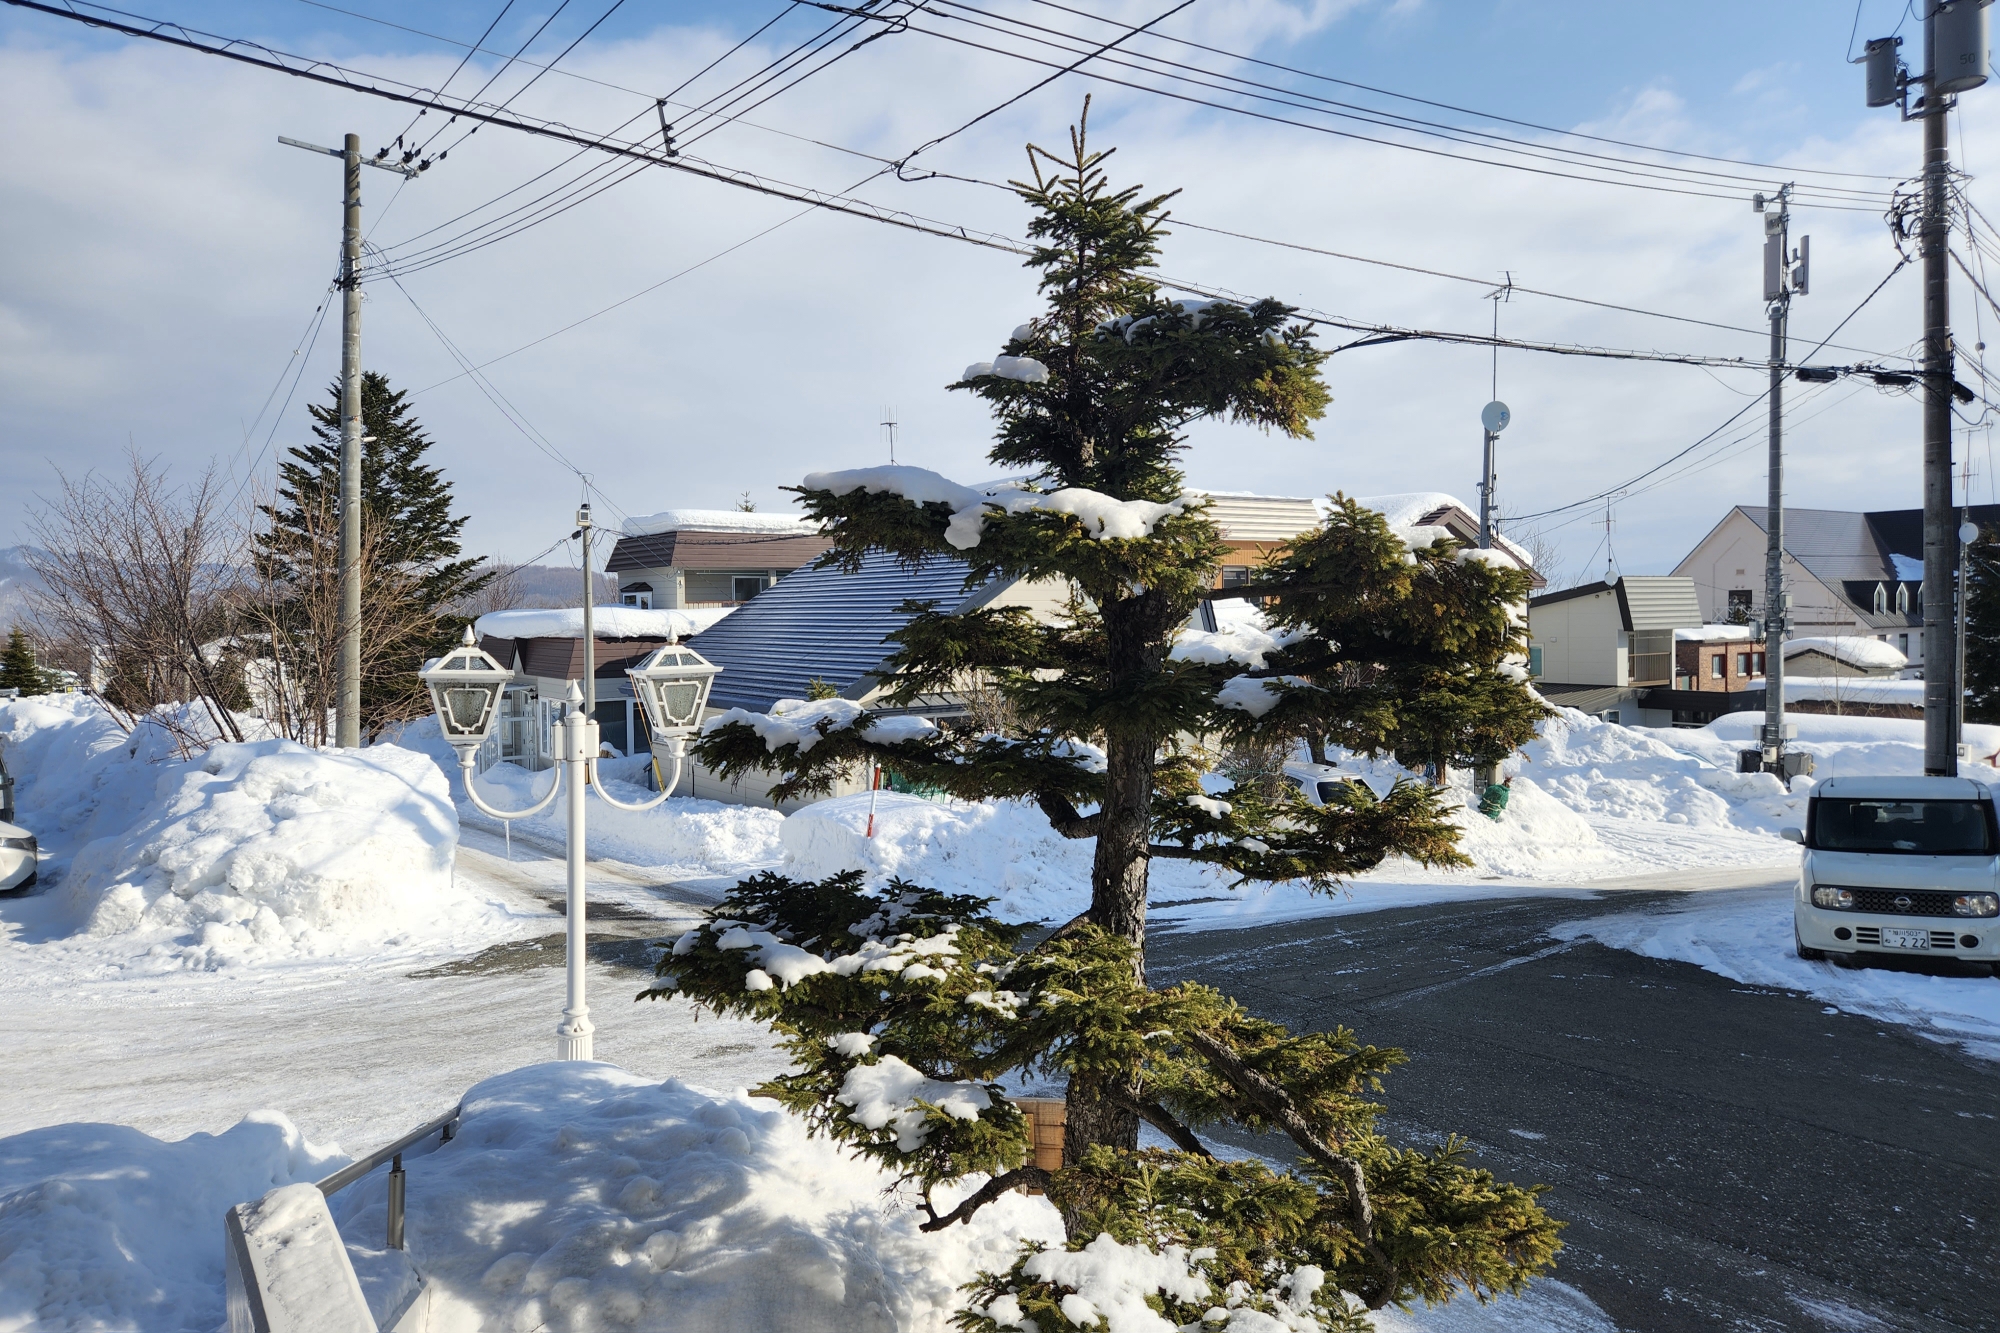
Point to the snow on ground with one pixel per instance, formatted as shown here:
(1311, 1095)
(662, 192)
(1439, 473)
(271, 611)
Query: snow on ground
(252, 853)
(1841, 746)
(1746, 935)
(104, 1227)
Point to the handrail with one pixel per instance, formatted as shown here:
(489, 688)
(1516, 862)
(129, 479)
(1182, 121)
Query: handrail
(352, 1172)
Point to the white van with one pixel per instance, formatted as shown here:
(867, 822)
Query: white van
(1907, 866)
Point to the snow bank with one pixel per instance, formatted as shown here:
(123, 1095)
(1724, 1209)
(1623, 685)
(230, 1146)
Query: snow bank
(579, 1196)
(1747, 937)
(720, 520)
(1601, 768)
(1103, 518)
(1854, 649)
(77, 776)
(270, 850)
(103, 1227)
(606, 622)
(805, 723)
(1841, 746)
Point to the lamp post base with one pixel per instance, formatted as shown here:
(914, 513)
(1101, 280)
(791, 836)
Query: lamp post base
(573, 1038)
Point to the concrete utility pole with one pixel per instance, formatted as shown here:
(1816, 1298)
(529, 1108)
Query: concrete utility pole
(1940, 656)
(1778, 287)
(347, 699)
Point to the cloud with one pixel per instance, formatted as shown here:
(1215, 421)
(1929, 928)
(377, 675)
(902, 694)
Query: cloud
(161, 255)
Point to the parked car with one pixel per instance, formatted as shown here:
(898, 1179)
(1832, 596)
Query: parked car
(1901, 866)
(19, 858)
(1315, 781)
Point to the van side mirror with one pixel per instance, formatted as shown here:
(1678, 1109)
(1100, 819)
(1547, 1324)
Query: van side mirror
(1796, 835)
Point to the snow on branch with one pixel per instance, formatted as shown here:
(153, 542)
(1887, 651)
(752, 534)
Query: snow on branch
(1103, 517)
(804, 723)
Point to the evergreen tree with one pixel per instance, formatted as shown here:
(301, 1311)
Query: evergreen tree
(905, 1009)
(416, 573)
(18, 668)
(1982, 628)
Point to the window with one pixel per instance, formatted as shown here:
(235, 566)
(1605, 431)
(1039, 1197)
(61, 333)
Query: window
(1924, 828)
(1903, 644)
(1739, 605)
(1608, 715)
(642, 600)
(1756, 664)
(1235, 576)
(1534, 660)
(1742, 664)
(1902, 599)
(1881, 600)
(746, 586)
(1652, 657)
(1718, 666)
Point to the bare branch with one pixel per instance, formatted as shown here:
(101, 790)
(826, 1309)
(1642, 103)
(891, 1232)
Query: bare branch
(1064, 816)
(985, 1194)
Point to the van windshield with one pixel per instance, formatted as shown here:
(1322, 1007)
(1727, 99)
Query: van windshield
(1921, 828)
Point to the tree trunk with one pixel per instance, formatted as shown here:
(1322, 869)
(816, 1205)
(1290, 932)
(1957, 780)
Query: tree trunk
(1118, 872)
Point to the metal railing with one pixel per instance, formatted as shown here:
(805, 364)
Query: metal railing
(445, 1126)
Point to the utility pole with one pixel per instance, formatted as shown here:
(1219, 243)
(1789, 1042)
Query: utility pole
(1957, 55)
(347, 699)
(1785, 273)
(1493, 418)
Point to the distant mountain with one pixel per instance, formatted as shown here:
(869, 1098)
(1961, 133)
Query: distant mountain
(550, 585)
(17, 580)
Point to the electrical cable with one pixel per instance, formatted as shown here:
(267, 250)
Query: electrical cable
(449, 79)
(297, 374)
(536, 77)
(481, 92)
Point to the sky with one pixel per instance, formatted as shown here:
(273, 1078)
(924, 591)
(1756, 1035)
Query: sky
(165, 261)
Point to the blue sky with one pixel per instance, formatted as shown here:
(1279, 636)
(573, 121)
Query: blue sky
(162, 254)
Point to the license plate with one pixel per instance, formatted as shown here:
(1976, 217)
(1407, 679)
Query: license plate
(1892, 938)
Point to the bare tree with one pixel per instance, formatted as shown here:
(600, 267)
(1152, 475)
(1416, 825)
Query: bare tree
(1544, 551)
(142, 580)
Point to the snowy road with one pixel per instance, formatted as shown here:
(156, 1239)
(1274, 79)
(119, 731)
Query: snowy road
(1728, 1155)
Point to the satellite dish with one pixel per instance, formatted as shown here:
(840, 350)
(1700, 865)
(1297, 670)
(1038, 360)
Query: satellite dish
(1968, 533)
(1495, 416)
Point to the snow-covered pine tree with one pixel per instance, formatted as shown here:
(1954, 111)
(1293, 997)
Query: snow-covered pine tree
(905, 1008)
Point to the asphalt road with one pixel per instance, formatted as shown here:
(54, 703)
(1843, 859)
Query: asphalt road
(1726, 1157)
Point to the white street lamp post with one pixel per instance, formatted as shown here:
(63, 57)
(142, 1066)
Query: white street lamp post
(671, 684)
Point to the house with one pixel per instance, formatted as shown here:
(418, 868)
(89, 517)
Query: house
(1849, 574)
(1842, 655)
(831, 627)
(708, 557)
(1609, 648)
(1255, 527)
(543, 647)
(1717, 658)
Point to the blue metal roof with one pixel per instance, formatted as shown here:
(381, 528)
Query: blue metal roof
(820, 623)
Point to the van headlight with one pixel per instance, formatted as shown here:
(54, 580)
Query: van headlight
(1833, 898)
(27, 844)
(1976, 904)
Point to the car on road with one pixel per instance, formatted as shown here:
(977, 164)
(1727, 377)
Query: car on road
(1908, 867)
(19, 858)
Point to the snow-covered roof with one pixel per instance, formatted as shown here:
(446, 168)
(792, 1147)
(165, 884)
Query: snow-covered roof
(718, 520)
(607, 622)
(1406, 512)
(1853, 649)
(1713, 634)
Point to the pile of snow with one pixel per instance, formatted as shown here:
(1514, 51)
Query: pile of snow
(1103, 518)
(103, 1227)
(271, 850)
(580, 1196)
(1676, 777)
(606, 622)
(1840, 746)
(1856, 650)
(720, 520)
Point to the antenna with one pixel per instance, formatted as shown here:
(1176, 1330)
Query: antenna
(889, 432)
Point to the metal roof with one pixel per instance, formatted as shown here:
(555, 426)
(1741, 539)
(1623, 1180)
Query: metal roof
(1260, 518)
(1658, 601)
(820, 623)
(685, 549)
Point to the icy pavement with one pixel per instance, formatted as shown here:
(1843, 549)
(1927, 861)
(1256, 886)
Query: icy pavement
(1746, 935)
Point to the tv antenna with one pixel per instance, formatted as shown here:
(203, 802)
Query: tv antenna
(889, 432)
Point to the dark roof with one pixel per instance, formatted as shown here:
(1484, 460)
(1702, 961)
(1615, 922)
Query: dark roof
(820, 623)
(715, 550)
(562, 659)
(1839, 546)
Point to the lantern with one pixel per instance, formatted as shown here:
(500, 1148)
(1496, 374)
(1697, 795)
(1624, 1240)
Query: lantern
(671, 685)
(465, 687)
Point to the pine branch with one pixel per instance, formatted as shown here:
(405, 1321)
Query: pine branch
(1277, 1104)
(985, 1194)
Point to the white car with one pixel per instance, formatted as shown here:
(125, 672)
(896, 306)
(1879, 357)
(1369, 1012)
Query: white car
(1316, 781)
(1902, 866)
(18, 857)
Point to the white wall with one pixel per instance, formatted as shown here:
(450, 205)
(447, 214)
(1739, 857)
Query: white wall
(1582, 639)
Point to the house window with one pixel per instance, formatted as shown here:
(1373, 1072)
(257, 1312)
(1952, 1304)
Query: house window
(1903, 644)
(1718, 666)
(1756, 664)
(1902, 599)
(746, 586)
(1652, 657)
(1742, 664)
(1739, 605)
(1881, 600)
(642, 600)
(1235, 576)
(1534, 660)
